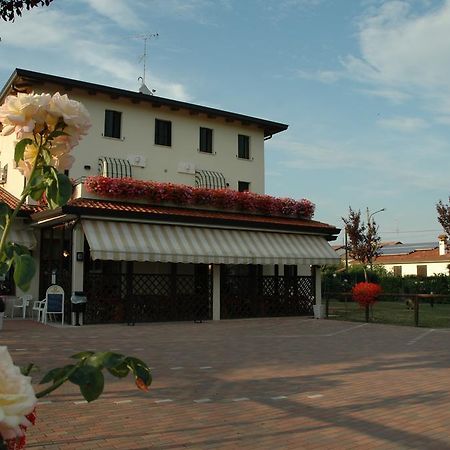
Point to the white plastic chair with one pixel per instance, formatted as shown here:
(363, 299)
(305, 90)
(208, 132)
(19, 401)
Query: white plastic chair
(39, 306)
(54, 303)
(21, 302)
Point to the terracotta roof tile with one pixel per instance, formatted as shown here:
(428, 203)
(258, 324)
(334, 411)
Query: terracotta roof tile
(155, 210)
(12, 202)
(429, 255)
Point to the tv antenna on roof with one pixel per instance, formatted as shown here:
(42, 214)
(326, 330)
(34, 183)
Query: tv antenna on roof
(143, 58)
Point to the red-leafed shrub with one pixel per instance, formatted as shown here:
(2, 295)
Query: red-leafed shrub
(180, 194)
(366, 293)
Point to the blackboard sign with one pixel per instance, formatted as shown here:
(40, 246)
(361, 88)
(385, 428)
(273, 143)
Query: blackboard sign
(55, 303)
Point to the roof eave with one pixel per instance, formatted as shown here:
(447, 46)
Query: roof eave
(270, 127)
(71, 211)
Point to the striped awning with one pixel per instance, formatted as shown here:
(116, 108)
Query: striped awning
(24, 236)
(128, 241)
(210, 179)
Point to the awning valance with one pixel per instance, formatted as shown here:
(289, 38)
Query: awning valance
(128, 241)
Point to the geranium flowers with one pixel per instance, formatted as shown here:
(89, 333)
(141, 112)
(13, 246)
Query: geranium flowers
(155, 192)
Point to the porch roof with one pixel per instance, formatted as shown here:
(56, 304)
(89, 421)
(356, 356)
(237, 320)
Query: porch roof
(114, 240)
(86, 208)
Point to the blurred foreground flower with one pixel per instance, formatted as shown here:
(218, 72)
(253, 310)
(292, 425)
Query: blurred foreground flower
(48, 127)
(17, 400)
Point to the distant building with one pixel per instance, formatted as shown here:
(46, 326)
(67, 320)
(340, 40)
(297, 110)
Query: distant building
(422, 259)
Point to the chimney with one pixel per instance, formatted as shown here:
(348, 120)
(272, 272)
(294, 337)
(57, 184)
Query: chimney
(442, 244)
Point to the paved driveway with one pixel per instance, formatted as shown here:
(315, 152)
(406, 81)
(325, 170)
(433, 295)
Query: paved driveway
(288, 383)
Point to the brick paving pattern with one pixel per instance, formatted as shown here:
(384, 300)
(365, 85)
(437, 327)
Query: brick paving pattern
(287, 383)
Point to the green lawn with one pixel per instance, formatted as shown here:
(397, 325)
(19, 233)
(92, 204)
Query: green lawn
(392, 312)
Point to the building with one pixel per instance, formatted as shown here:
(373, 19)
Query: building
(166, 261)
(421, 259)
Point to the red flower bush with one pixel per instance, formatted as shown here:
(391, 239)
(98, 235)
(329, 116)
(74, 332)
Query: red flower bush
(180, 194)
(366, 293)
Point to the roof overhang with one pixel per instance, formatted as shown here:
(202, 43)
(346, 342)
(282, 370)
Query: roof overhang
(108, 210)
(23, 80)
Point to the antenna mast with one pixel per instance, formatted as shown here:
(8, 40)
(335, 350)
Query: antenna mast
(143, 58)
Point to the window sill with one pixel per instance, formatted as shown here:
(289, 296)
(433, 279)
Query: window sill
(162, 145)
(206, 153)
(244, 159)
(113, 138)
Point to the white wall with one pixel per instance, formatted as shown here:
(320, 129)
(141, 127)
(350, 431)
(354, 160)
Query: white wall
(162, 162)
(411, 269)
(15, 180)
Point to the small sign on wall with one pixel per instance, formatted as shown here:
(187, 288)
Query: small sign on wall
(186, 167)
(137, 160)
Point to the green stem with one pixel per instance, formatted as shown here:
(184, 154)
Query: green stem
(56, 385)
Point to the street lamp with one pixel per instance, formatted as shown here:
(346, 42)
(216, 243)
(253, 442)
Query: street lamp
(369, 216)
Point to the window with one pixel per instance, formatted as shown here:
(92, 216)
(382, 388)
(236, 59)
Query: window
(397, 271)
(290, 270)
(163, 132)
(243, 146)
(422, 271)
(243, 186)
(113, 121)
(206, 140)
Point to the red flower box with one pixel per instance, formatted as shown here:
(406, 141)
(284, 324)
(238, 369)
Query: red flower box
(180, 194)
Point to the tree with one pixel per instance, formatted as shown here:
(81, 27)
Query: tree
(363, 239)
(443, 211)
(9, 9)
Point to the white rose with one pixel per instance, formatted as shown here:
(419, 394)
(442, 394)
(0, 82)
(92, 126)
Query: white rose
(17, 397)
(21, 113)
(61, 160)
(74, 114)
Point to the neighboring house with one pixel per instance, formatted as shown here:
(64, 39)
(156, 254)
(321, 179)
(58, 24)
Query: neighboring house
(162, 261)
(423, 259)
(344, 254)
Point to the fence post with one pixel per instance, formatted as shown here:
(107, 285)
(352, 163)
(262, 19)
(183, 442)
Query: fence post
(416, 310)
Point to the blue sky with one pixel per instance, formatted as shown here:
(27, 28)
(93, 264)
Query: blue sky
(363, 84)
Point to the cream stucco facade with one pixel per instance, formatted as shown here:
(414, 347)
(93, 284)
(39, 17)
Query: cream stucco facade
(176, 163)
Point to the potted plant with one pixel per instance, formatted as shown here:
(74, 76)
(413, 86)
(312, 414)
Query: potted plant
(2, 312)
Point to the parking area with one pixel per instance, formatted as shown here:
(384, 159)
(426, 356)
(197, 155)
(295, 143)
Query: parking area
(281, 383)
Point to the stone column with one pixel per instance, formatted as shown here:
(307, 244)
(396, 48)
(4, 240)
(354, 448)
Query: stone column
(216, 291)
(77, 266)
(319, 308)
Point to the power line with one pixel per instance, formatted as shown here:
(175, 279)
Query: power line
(410, 231)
